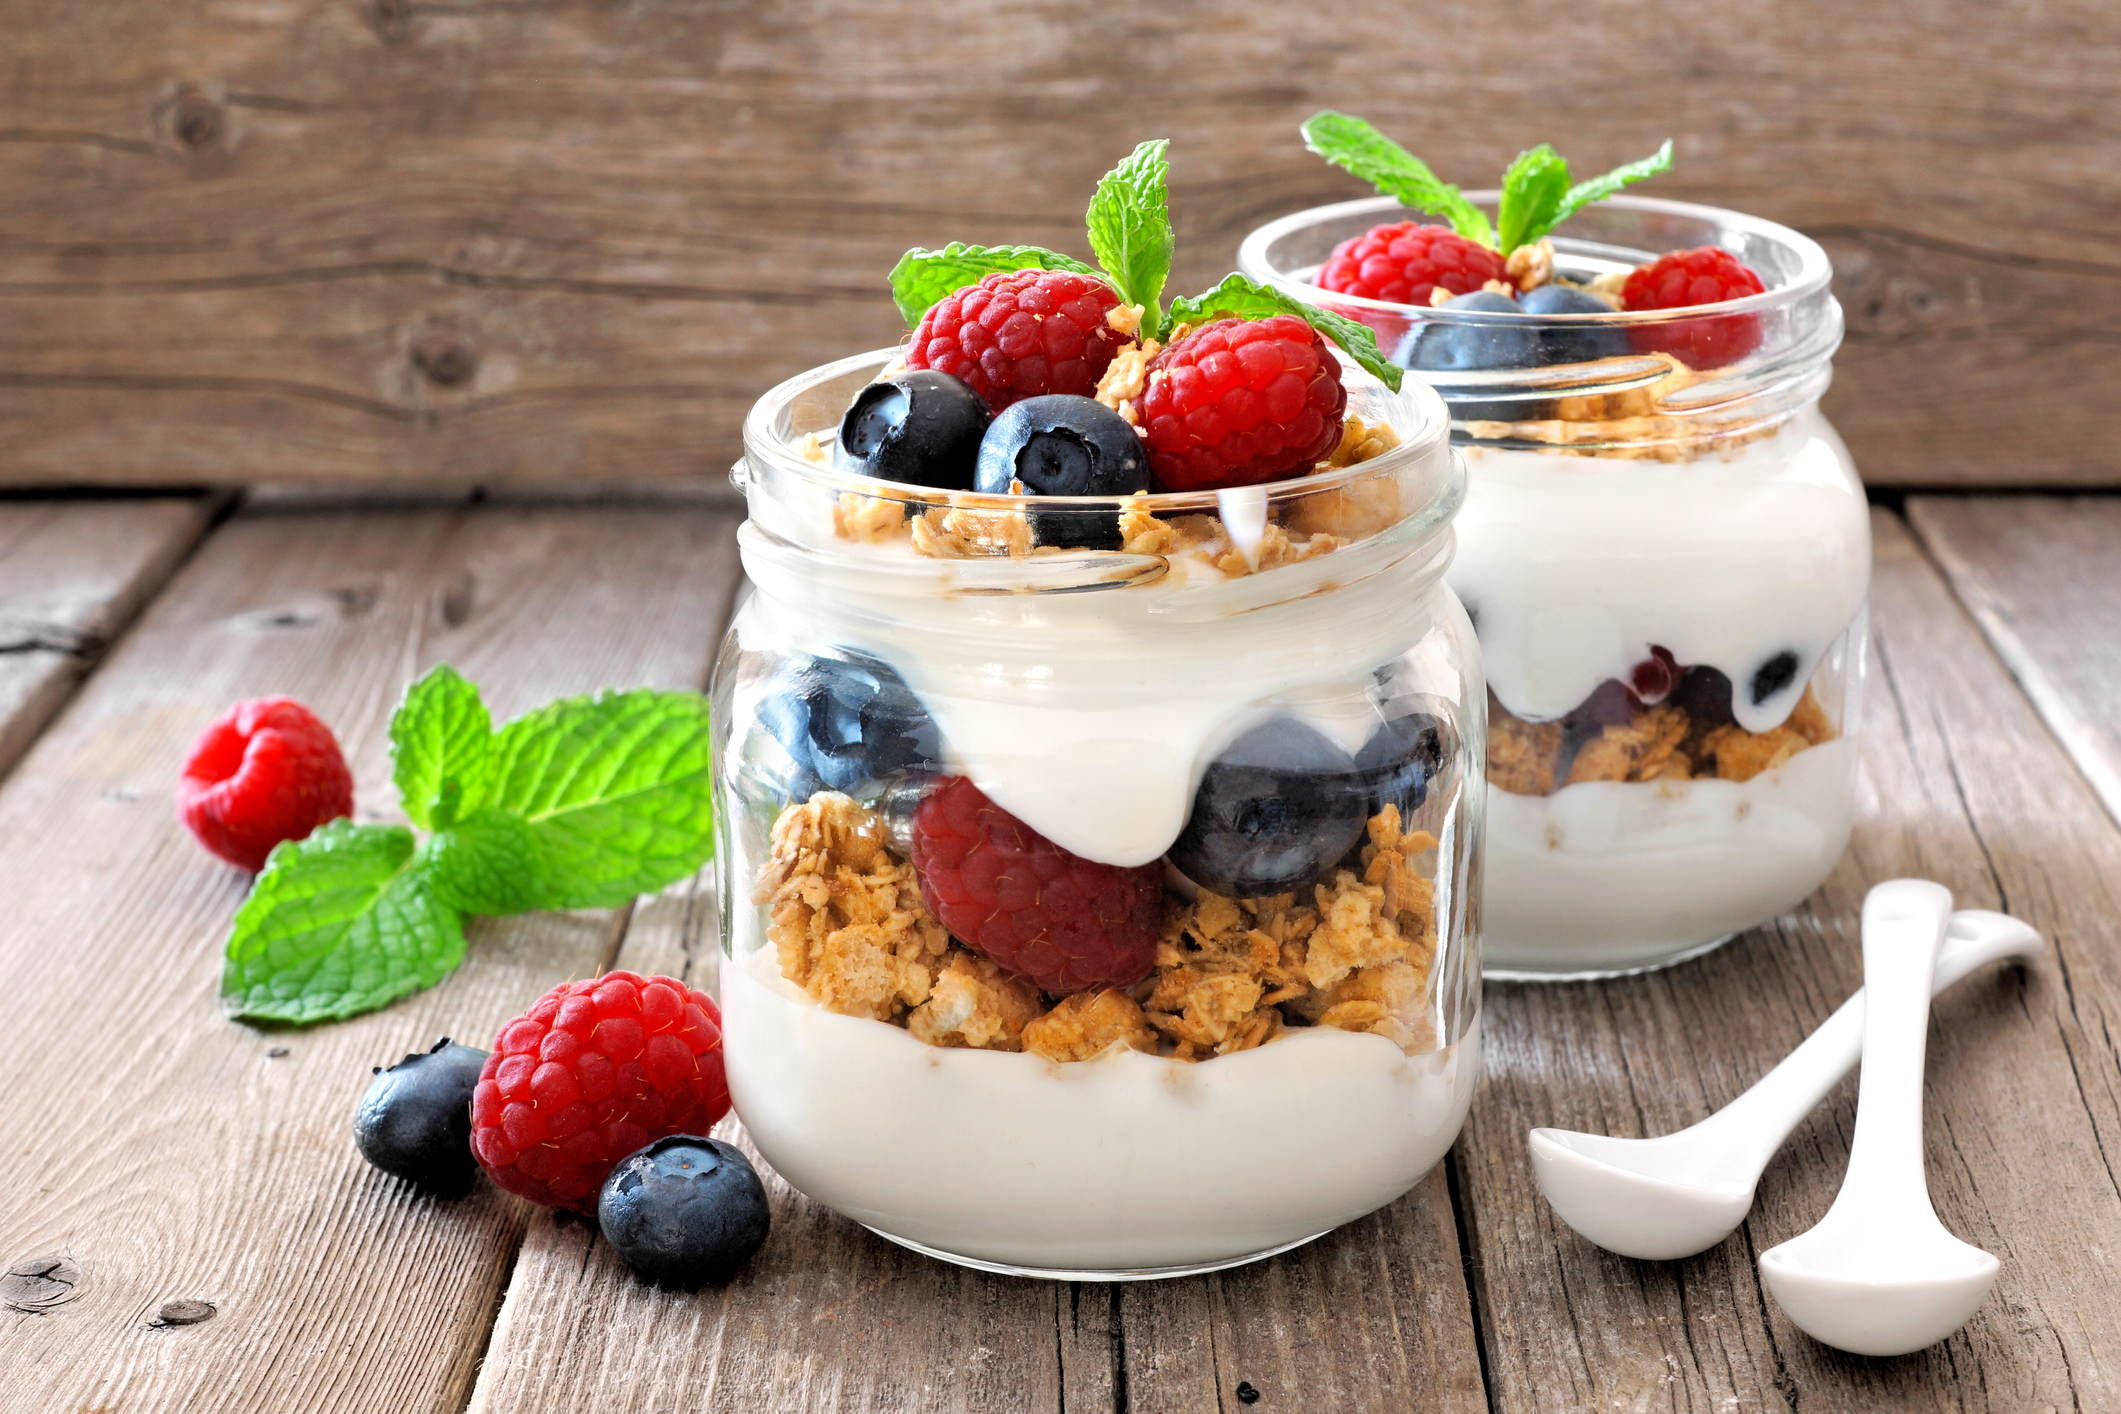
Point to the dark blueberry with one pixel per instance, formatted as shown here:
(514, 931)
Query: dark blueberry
(920, 427)
(1774, 675)
(1573, 345)
(1463, 348)
(845, 722)
(1704, 694)
(1273, 812)
(684, 1212)
(1063, 445)
(415, 1120)
(1399, 760)
(1246, 1394)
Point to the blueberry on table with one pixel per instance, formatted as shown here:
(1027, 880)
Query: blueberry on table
(844, 723)
(1573, 344)
(920, 427)
(1399, 760)
(1275, 811)
(415, 1120)
(684, 1212)
(1063, 445)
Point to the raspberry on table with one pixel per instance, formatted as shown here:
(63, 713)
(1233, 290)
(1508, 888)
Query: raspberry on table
(1683, 280)
(1002, 888)
(596, 1070)
(1403, 262)
(1239, 401)
(267, 770)
(1019, 334)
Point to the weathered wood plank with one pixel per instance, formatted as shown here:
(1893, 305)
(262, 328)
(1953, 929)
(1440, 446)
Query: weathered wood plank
(393, 240)
(1960, 783)
(166, 1153)
(72, 576)
(2042, 576)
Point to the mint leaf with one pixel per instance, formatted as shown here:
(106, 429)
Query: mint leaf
(338, 925)
(1239, 298)
(486, 862)
(1532, 191)
(1353, 144)
(1130, 229)
(922, 277)
(439, 739)
(615, 790)
(1599, 188)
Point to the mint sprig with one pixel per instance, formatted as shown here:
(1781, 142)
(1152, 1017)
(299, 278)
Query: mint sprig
(1353, 144)
(1599, 188)
(1237, 297)
(1532, 192)
(583, 803)
(1130, 228)
(922, 277)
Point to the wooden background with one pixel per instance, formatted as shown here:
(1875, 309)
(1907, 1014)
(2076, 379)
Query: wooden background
(570, 240)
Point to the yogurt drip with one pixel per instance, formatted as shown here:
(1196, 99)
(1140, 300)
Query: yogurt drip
(1573, 566)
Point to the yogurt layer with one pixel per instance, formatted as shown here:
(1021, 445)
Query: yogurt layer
(1573, 566)
(1605, 876)
(1123, 1162)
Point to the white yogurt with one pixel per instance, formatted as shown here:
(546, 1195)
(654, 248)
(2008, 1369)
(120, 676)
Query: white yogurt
(1124, 1162)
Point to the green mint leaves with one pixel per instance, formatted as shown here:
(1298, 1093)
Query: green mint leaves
(1353, 144)
(583, 803)
(922, 277)
(1239, 298)
(1536, 194)
(1130, 229)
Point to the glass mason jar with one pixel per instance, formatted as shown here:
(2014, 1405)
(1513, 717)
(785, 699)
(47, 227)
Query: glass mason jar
(1666, 553)
(1272, 685)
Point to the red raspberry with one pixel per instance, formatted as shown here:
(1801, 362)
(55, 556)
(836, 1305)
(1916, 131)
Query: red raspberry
(1034, 908)
(1241, 401)
(1681, 280)
(1019, 333)
(1402, 263)
(266, 771)
(595, 1071)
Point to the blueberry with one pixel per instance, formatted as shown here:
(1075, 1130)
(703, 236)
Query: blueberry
(1399, 760)
(1773, 676)
(846, 722)
(919, 427)
(1063, 445)
(1464, 348)
(1273, 812)
(415, 1120)
(684, 1212)
(1573, 345)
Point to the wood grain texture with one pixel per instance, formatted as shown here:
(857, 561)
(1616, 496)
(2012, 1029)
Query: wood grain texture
(392, 239)
(72, 576)
(2038, 574)
(1961, 783)
(165, 1153)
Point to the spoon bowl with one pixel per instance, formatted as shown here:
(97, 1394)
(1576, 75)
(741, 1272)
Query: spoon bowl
(1873, 1297)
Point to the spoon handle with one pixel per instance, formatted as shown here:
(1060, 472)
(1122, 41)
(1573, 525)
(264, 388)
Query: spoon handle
(1762, 1119)
(1903, 925)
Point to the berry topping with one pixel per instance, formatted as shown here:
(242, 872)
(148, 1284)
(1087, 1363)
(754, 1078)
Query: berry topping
(1403, 262)
(1059, 445)
(684, 1212)
(1773, 676)
(1399, 760)
(1463, 348)
(415, 1120)
(1652, 680)
(1276, 810)
(1239, 401)
(845, 723)
(920, 427)
(1002, 888)
(594, 1071)
(1579, 344)
(1683, 280)
(1020, 333)
(265, 772)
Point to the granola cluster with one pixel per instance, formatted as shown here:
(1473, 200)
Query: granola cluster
(848, 927)
(1661, 743)
(1630, 423)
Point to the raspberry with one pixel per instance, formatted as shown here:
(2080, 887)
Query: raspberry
(1019, 333)
(593, 1072)
(1402, 263)
(1066, 923)
(1241, 401)
(1681, 280)
(267, 770)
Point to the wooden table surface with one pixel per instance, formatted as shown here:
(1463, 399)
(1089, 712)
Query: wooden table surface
(156, 1152)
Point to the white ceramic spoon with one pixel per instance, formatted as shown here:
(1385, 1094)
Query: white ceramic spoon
(1683, 1193)
(1879, 1275)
